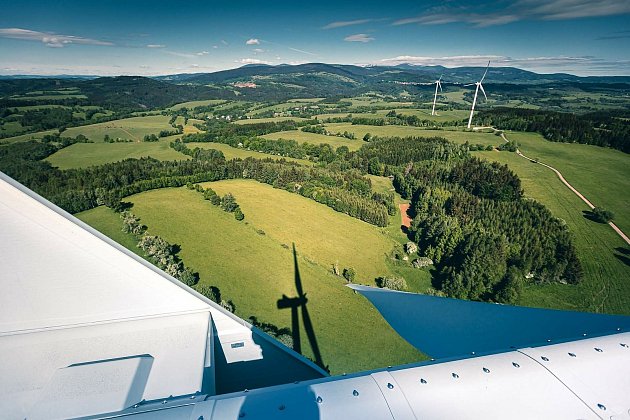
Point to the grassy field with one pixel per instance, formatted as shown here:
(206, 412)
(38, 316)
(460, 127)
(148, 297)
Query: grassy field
(255, 270)
(601, 174)
(194, 104)
(232, 152)
(425, 114)
(266, 120)
(321, 234)
(82, 155)
(129, 128)
(304, 137)
(456, 136)
(606, 284)
(27, 137)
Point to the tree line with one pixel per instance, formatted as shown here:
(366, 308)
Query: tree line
(602, 128)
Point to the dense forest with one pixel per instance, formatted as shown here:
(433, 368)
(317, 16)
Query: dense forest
(486, 241)
(608, 129)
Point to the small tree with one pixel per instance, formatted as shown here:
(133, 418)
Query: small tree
(349, 274)
(602, 215)
(228, 203)
(238, 214)
(187, 277)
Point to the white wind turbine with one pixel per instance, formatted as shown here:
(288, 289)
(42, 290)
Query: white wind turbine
(479, 85)
(438, 84)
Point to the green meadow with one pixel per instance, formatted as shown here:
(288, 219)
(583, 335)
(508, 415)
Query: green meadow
(82, 155)
(305, 137)
(601, 174)
(456, 136)
(129, 128)
(233, 152)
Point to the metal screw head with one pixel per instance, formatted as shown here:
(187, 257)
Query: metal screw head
(355, 393)
(572, 355)
(319, 400)
(135, 406)
(544, 358)
(623, 345)
(601, 407)
(486, 370)
(164, 402)
(598, 350)
(516, 365)
(192, 397)
(390, 385)
(455, 375)
(423, 381)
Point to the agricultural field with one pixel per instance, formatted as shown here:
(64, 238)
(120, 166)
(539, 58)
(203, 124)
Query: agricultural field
(255, 269)
(81, 155)
(194, 104)
(305, 137)
(425, 114)
(606, 283)
(283, 107)
(238, 153)
(27, 137)
(456, 136)
(129, 128)
(266, 120)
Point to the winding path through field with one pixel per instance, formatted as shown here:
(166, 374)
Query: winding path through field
(564, 181)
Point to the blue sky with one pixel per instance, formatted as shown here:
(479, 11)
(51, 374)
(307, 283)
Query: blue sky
(584, 37)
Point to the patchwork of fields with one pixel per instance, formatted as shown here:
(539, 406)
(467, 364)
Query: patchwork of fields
(251, 261)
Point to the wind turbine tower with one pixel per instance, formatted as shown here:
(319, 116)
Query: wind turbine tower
(438, 84)
(479, 85)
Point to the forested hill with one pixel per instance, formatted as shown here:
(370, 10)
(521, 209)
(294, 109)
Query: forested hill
(123, 92)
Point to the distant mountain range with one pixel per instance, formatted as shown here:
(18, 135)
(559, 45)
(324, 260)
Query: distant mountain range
(401, 72)
(281, 82)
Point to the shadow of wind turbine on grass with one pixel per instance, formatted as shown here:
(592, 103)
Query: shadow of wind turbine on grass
(299, 302)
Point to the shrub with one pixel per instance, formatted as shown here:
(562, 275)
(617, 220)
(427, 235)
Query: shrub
(238, 214)
(349, 274)
(392, 283)
(602, 215)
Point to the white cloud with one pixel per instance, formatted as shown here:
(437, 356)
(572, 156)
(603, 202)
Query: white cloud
(258, 50)
(49, 39)
(302, 51)
(251, 61)
(201, 53)
(520, 10)
(180, 54)
(156, 46)
(252, 41)
(341, 24)
(358, 38)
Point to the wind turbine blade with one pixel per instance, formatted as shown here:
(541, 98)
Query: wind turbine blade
(440, 85)
(440, 79)
(310, 333)
(484, 92)
(485, 72)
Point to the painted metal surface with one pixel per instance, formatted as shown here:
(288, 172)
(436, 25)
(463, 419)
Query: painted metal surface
(444, 327)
